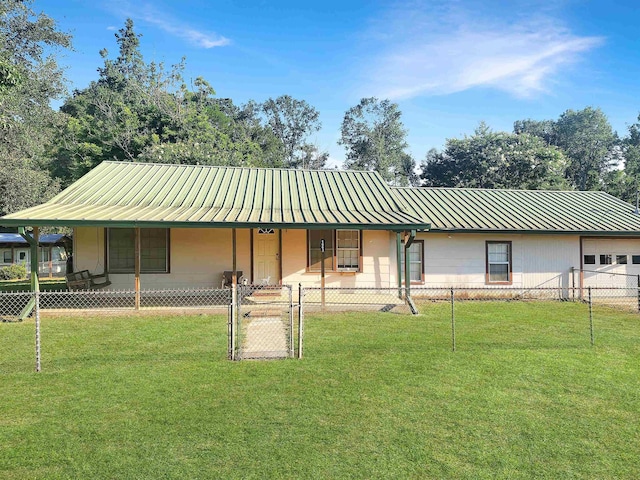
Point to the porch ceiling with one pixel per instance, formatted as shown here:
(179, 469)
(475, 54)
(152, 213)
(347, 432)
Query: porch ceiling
(141, 194)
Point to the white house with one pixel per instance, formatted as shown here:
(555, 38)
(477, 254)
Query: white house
(177, 226)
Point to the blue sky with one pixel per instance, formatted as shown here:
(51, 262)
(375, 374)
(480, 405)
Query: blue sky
(449, 65)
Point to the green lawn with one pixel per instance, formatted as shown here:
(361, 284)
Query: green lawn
(46, 285)
(376, 396)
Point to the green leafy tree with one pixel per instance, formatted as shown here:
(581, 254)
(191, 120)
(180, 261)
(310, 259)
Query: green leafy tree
(143, 112)
(30, 79)
(625, 182)
(544, 129)
(292, 122)
(375, 139)
(588, 141)
(489, 159)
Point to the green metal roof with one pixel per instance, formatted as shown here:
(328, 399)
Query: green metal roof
(525, 211)
(143, 194)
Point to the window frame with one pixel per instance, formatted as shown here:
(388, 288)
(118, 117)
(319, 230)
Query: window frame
(142, 271)
(635, 259)
(422, 262)
(584, 259)
(510, 262)
(337, 249)
(4, 256)
(605, 257)
(335, 269)
(620, 256)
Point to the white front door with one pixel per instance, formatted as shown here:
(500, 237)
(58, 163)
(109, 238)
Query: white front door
(22, 255)
(266, 257)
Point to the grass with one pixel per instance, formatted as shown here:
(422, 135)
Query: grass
(46, 285)
(376, 396)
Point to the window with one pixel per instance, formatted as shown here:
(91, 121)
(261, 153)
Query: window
(315, 254)
(635, 259)
(498, 262)
(605, 260)
(154, 251)
(345, 257)
(348, 248)
(6, 257)
(589, 259)
(621, 259)
(416, 265)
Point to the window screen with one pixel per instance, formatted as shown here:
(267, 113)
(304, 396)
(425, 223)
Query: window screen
(498, 262)
(315, 255)
(153, 250)
(348, 248)
(415, 261)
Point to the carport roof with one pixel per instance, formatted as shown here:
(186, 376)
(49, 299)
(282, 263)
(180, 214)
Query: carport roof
(525, 211)
(142, 194)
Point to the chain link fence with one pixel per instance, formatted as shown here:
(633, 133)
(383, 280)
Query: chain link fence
(335, 300)
(13, 304)
(263, 323)
(267, 322)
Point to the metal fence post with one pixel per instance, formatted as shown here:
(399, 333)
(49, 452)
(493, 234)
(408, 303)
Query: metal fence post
(453, 322)
(232, 320)
(300, 319)
(638, 286)
(37, 309)
(591, 317)
(291, 351)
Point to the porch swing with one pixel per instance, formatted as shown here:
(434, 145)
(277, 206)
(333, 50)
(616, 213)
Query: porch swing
(84, 280)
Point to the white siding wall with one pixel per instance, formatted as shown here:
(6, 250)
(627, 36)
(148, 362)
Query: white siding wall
(537, 260)
(378, 259)
(198, 256)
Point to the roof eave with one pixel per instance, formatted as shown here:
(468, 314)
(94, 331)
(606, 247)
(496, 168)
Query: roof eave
(617, 233)
(159, 224)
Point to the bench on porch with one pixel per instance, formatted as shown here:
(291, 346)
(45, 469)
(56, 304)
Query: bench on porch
(227, 278)
(83, 280)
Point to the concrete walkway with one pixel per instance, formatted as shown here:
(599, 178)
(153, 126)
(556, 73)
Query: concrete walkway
(264, 337)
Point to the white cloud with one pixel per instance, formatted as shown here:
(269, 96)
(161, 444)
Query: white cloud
(191, 35)
(173, 26)
(112, 28)
(461, 50)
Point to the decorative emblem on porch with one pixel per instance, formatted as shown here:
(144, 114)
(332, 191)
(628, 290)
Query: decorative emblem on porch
(265, 231)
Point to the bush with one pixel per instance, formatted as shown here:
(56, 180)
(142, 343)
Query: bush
(13, 272)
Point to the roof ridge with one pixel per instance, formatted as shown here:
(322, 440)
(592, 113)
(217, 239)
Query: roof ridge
(476, 189)
(338, 170)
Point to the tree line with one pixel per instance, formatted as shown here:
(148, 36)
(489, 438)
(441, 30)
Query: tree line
(146, 112)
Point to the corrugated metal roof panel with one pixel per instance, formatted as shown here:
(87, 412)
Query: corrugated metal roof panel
(123, 193)
(469, 209)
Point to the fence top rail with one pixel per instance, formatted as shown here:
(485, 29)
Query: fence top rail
(604, 272)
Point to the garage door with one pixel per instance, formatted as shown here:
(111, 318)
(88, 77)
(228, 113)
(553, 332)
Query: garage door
(611, 262)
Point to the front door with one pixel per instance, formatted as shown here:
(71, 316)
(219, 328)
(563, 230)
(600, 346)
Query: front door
(22, 256)
(266, 257)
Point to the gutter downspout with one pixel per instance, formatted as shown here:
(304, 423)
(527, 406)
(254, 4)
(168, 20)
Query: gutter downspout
(399, 265)
(407, 269)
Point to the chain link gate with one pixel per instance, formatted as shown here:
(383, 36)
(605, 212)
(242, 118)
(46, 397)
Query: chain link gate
(261, 324)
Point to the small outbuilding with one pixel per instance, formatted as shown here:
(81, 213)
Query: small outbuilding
(54, 249)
